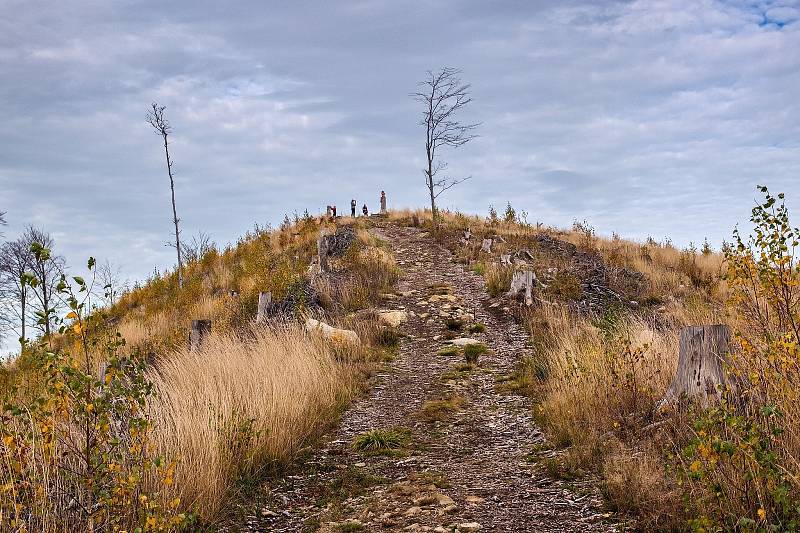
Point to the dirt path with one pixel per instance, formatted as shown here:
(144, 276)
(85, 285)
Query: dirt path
(470, 471)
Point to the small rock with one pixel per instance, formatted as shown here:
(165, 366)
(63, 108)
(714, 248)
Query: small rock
(268, 512)
(464, 341)
(474, 499)
(360, 465)
(450, 509)
(444, 500)
(428, 499)
(413, 511)
(469, 526)
(441, 529)
(393, 318)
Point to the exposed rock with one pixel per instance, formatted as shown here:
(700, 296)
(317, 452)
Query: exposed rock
(393, 318)
(474, 499)
(413, 511)
(467, 527)
(344, 336)
(444, 500)
(464, 341)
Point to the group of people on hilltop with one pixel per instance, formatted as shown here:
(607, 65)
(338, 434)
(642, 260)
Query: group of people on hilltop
(331, 209)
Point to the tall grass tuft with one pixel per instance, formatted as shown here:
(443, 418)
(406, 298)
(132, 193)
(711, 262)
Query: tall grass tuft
(237, 405)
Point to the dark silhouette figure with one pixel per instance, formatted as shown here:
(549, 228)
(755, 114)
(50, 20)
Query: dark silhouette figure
(353, 208)
(365, 210)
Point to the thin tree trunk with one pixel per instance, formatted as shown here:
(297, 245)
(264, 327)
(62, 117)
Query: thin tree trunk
(174, 213)
(23, 302)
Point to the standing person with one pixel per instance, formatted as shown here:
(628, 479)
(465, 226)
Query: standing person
(327, 211)
(353, 208)
(334, 211)
(365, 210)
(383, 203)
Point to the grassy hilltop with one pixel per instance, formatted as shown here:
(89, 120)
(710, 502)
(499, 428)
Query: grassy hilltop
(603, 333)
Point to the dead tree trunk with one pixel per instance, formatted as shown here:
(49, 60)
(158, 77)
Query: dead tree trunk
(524, 279)
(701, 374)
(264, 303)
(486, 246)
(200, 330)
(322, 251)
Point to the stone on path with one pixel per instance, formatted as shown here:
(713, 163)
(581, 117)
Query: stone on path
(344, 336)
(464, 341)
(469, 526)
(393, 318)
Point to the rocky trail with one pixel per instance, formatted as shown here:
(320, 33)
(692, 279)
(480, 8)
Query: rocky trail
(468, 463)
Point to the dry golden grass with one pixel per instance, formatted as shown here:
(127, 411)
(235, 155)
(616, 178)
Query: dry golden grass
(236, 405)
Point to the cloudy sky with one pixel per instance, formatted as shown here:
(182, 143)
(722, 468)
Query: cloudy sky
(644, 118)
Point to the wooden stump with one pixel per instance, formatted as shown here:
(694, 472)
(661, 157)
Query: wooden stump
(486, 246)
(200, 330)
(505, 259)
(264, 304)
(322, 251)
(523, 280)
(701, 373)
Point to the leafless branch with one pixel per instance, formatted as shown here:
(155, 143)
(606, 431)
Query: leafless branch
(443, 95)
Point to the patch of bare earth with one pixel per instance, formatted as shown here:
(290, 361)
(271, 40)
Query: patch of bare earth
(467, 464)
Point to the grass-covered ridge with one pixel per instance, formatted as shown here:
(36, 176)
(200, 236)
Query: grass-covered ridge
(245, 403)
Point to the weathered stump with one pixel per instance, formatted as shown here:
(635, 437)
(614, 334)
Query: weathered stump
(505, 259)
(322, 251)
(486, 246)
(523, 280)
(264, 305)
(200, 330)
(701, 375)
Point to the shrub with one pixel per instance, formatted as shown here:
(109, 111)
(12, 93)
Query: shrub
(477, 327)
(473, 351)
(78, 455)
(744, 450)
(380, 441)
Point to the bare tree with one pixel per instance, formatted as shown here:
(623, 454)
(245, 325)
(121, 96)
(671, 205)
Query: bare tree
(199, 246)
(111, 284)
(2, 221)
(155, 117)
(443, 95)
(47, 269)
(15, 261)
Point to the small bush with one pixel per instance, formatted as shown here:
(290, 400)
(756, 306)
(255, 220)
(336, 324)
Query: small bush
(449, 350)
(380, 441)
(473, 351)
(478, 327)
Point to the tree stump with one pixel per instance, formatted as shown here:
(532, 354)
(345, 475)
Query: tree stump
(701, 374)
(322, 251)
(264, 305)
(523, 280)
(486, 246)
(200, 330)
(505, 259)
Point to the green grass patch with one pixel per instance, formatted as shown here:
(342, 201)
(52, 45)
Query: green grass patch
(479, 268)
(477, 327)
(473, 351)
(381, 441)
(449, 350)
(440, 410)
